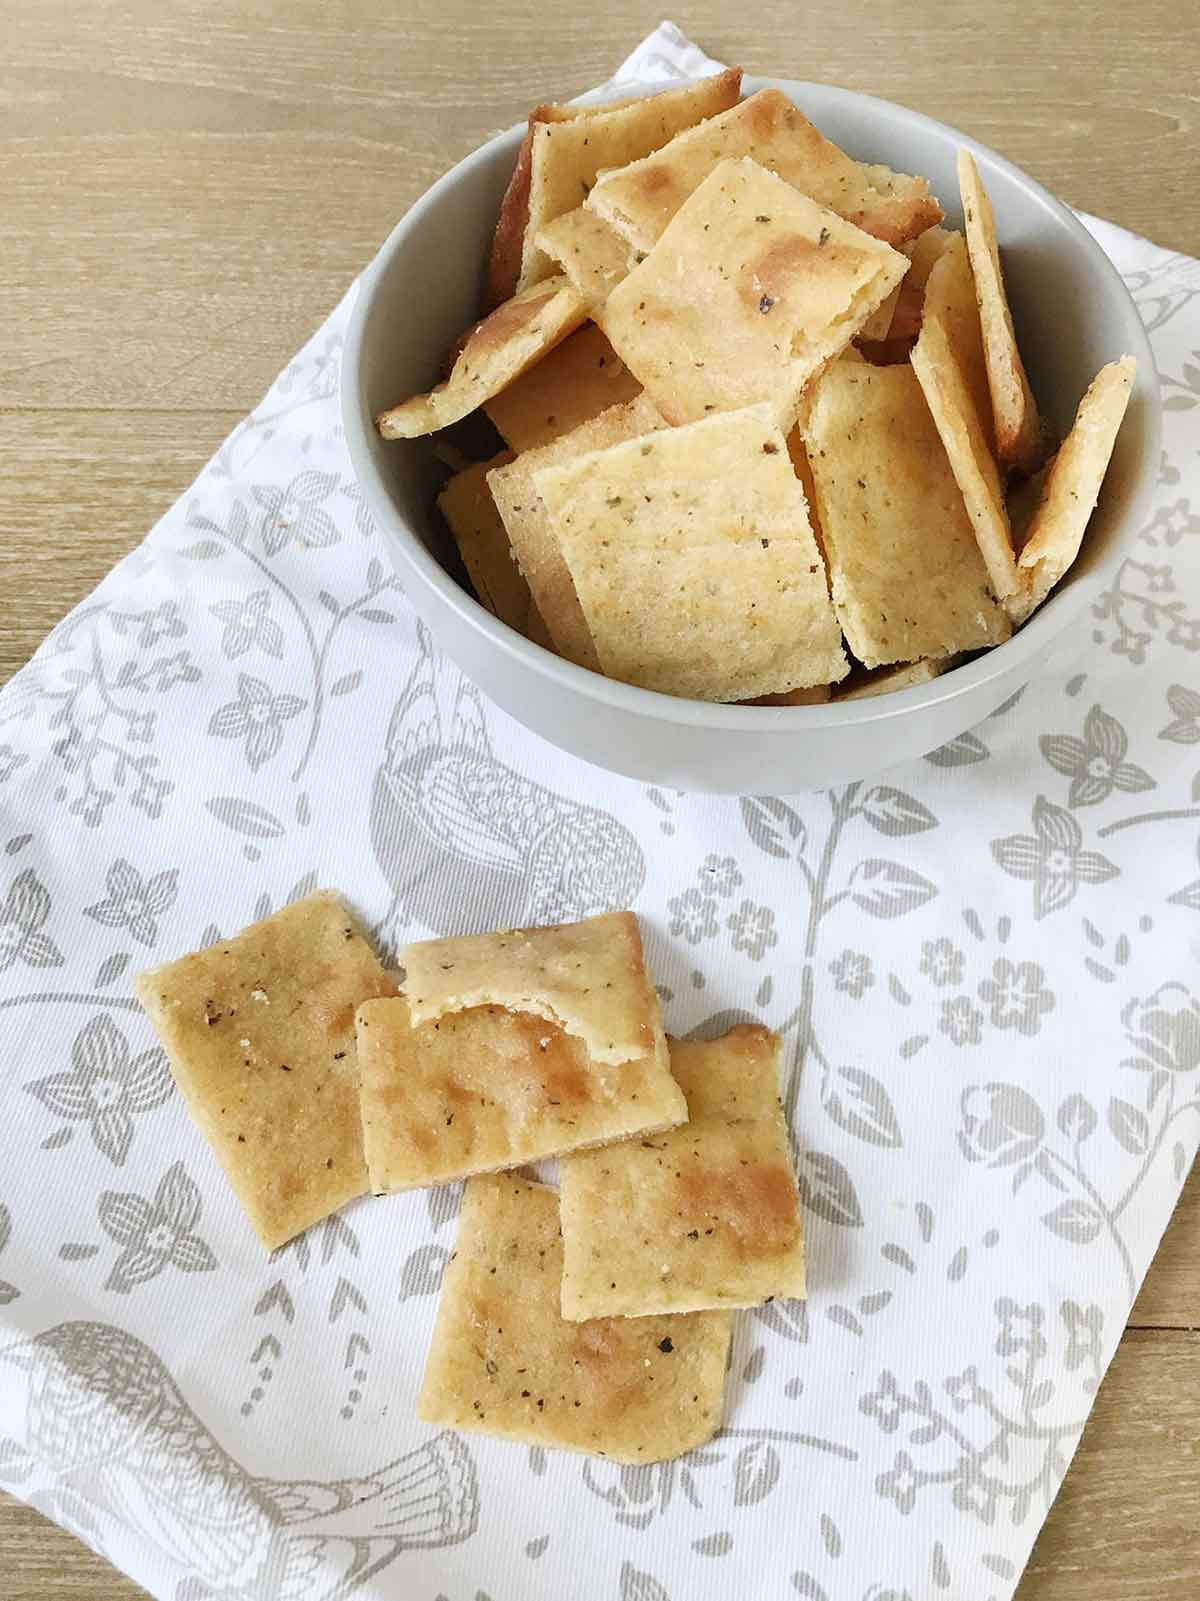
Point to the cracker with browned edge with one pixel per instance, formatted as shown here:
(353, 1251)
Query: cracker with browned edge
(905, 571)
(594, 257)
(751, 289)
(503, 1360)
(470, 512)
(532, 532)
(495, 352)
(944, 360)
(566, 156)
(1072, 487)
(706, 1215)
(640, 199)
(259, 1032)
(886, 680)
(694, 561)
(578, 380)
(1017, 429)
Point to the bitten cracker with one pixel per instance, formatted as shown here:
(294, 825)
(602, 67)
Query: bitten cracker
(751, 289)
(695, 563)
(577, 381)
(259, 1031)
(707, 1215)
(504, 1361)
(532, 532)
(1017, 430)
(594, 257)
(470, 512)
(1072, 487)
(494, 353)
(905, 571)
(640, 199)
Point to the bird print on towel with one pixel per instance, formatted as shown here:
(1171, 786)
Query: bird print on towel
(103, 1415)
(468, 844)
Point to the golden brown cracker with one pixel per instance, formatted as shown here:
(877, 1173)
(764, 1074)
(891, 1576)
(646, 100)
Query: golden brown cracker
(470, 512)
(577, 381)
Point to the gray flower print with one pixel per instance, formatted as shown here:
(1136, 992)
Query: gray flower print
(964, 1389)
(719, 876)
(961, 1021)
(694, 915)
(885, 1404)
(10, 761)
(941, 962)
(1096, 763)
(1017, 995)
(134, 903)
(972, 1490)
(901, 1483)
(1184, 729)
(1159, 580)
(1170, 523)
(107, 1086)
(257, 716)
(753, 929)
(8, 1292)
(1053, 857)
(248, 623)
(1020, 1329)
(852, 973)
(163, 622)
(22, 918)
(1001, 1125)
(296, 513)
(1085, 1328)
(1165, 1028)
(155, 1234)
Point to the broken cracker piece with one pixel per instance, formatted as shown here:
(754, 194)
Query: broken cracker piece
(470, 512)
(577, 381)
(594, 257)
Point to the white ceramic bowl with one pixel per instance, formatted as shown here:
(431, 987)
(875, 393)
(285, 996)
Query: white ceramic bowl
(1073, 314)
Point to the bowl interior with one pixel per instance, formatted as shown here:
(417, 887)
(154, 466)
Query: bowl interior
(1072, 313)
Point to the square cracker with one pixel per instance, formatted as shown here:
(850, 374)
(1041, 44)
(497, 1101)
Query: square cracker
(1017, 430)
(944, 360)
(905, 572)
(578, 380)
(259, 1031)
(494, 353)
(695, 563)
(532, 532)
(565, 157)
(751, 289)
(470, 512)
(594, 257)
(504, 1361)
(707, 1215)
(886, 680)
(1072, 487)
(640, 199)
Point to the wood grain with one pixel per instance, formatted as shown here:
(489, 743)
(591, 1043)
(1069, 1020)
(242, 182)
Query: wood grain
(186, 188)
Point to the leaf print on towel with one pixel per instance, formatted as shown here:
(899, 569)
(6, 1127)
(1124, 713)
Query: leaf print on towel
(446, 811)
(1053, 857)
(155, 1234)
(106, 1088)
(257, 716)
(134, 903)
(11, 762)
(1096, 763)
(23, 916)
(8, 1292)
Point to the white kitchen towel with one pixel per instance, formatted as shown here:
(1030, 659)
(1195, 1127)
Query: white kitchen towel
(985, 967)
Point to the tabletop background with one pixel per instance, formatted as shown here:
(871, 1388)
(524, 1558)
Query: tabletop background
(161, 165)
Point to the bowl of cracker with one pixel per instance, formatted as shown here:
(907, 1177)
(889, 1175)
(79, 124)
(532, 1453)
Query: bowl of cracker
(748, 435)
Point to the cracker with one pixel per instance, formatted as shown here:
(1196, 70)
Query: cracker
(922, 252)
(816, 696)
(565, 157)
(470, 512)
(1014, 410)
(751, 289)
(587, 977)
(259, 1031)
(594, 257)
(504, 1361)
(640, 199)
(496, 351)
(1072, 486)
(886, 680)
(880, 321)
(707, 1215)
(943, 359)
(906, 574)
(532, 532)
(578, 380)
(694, 561)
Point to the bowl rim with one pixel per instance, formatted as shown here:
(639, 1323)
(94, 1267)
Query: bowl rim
(1032, 641)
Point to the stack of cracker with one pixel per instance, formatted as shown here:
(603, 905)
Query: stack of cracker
(596, 1316)
(765, 420)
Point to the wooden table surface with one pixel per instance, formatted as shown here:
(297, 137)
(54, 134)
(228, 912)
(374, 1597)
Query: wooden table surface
(187, 188)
